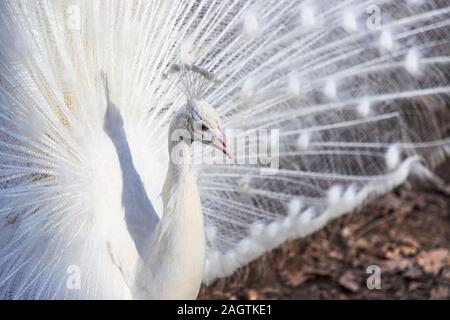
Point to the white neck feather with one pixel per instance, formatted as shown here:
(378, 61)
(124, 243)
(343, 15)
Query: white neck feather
(173, 265)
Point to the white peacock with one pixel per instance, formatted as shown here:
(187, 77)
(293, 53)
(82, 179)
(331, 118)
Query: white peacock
(91, 204)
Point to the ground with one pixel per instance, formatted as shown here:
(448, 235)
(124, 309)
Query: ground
(406, 233)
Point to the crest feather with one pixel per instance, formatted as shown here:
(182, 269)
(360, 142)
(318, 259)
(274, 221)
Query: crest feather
(192, 80)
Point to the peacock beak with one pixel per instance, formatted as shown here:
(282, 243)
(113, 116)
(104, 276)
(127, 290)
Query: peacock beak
(220, 143)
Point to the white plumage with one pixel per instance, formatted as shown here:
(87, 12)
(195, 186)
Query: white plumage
(358, 105)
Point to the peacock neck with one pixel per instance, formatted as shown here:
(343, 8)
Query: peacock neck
(179, 169)
(179, 148)
(173, 266)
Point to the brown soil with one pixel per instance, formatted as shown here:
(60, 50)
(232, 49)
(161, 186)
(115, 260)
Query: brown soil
(406, 233)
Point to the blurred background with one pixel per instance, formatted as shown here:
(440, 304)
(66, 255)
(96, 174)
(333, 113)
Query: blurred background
(406, 233)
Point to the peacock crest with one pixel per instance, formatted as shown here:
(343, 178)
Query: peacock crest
(190, 79)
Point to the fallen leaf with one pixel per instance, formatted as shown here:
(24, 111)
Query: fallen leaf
(413, 274)
(318, 271)
(446, 274)
(396, 265)
(252, 295)
(439, 293)
(401, 251)
(348, 281)
(346, 232)
(335, 255)
(433, 261)
(294, 279)
(414, 285)
(269, 290)
(392, 202)
(408, 250)
(362, 244)
(408, 240)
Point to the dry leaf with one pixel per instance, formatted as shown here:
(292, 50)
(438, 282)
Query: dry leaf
(414, 285)
(294, 279)
(400, 251)
(362, 244)
(392, 202)
(346, 232)
(252, 295)
(446, 274)
(335, 255)
(408, 250)
(433, 261)
(348, 281)
(439, 293)
(408, 240)
(413, 274)
(400, 264)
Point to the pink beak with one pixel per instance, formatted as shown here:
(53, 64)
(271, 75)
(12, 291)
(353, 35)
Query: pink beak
(221, 144)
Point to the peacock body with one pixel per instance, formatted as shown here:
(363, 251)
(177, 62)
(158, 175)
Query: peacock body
(354, 94)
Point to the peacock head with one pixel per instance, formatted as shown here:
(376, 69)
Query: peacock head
(199, 120)
(204, 125)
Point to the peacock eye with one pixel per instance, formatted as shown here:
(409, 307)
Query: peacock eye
(204, 128)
